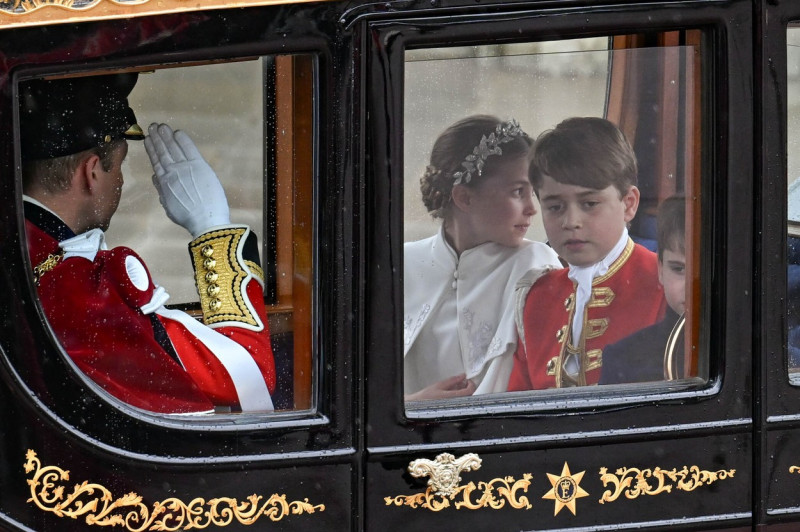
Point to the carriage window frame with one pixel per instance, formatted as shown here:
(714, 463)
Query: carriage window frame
(709, 381)
(291, 303)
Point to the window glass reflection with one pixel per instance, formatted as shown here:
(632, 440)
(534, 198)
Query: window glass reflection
(238, 340)
(525, 262)
(793, 207)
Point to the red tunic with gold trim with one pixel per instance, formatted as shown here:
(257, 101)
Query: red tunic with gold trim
(624, 300)
(109, 317)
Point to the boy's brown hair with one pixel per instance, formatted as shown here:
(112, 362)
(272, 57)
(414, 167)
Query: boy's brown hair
(587, 152)
(672, 225)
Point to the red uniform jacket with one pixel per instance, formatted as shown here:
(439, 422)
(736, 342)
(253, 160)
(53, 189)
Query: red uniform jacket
(627, 298)
(160, 360)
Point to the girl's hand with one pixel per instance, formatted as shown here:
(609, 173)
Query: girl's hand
(457, 386)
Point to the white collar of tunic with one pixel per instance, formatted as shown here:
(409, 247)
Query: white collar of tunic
(84, 245)
(584, 275)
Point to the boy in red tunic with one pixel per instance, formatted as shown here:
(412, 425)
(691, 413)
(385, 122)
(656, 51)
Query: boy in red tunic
(584, 172)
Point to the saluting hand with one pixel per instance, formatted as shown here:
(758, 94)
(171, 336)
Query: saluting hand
(188, 188)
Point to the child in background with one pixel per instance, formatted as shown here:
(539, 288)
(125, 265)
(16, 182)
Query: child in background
(656, 353)
(459, 283)
(584, 172)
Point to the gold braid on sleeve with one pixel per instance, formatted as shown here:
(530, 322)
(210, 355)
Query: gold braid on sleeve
(221, 275)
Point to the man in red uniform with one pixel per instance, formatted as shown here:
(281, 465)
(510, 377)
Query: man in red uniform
(102, 304)
(584, 172)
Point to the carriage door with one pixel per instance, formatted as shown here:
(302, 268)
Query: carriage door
(779, 364)
(657, 450)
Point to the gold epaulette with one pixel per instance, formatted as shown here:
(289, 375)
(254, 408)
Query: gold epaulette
(221, 275)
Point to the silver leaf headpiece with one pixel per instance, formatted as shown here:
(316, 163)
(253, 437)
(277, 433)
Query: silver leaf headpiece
(473, 163)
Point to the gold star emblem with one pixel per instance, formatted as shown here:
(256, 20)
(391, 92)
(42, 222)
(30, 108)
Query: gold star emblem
(565, 489)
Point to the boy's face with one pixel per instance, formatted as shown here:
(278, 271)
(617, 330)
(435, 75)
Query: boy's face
(672, 276)
(583, 224)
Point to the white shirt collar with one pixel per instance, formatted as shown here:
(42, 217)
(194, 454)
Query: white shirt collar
(584, 275)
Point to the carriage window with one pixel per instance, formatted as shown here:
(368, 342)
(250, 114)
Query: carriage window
(589, 237)
(224, 328)
(793, 237)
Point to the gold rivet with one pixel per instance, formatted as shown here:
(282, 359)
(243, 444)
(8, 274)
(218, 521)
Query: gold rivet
(209, 264)
(212, 290)
(551, 366)
(568, 302)
(559, 334)
(207, 251)
(214, 305)
(211, 277)
(107, 139)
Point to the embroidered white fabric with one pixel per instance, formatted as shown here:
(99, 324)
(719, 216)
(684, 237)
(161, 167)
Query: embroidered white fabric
(459, 311)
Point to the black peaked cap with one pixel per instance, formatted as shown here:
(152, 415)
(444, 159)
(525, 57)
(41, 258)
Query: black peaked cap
(61, 117)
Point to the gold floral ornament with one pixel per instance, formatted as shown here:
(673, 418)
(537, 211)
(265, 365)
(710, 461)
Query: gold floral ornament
(26, 6)
(794, 469)
(634, 482)
(97, 504)
(444, 486)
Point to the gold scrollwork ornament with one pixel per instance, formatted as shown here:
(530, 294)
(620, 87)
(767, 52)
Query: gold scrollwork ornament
(98, 506)
(634, 482)
(444, 486)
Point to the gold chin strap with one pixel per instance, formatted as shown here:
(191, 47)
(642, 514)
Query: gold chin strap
(221, 275)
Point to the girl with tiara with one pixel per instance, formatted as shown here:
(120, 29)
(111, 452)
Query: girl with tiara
(459, 332)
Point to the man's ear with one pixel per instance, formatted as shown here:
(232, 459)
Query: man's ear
(631, 202)
(87, 173)
(462, 197)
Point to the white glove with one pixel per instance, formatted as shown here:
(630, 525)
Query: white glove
(188, 188)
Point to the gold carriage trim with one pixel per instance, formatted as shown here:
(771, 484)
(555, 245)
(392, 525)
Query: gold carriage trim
(98, 507)
(566, 489)
(634, 482)
(39, 12)
(220, 275)
(444, 486)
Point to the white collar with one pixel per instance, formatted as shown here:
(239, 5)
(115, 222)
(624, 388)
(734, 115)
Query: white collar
(584, 275)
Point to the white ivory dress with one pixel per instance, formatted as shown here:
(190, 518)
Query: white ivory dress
(459, 311)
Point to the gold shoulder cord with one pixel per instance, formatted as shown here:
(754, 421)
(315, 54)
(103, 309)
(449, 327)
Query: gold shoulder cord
(45, 266)
(220, 276)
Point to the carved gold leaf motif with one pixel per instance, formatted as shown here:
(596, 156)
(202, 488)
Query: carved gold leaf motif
(444, 486)
(97, 505)
(634, 482)
(471, 497)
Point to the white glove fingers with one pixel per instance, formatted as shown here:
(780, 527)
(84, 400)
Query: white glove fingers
(151, 151)
(157, 184)
(160, 149)
(187, 145)
(175, 151)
